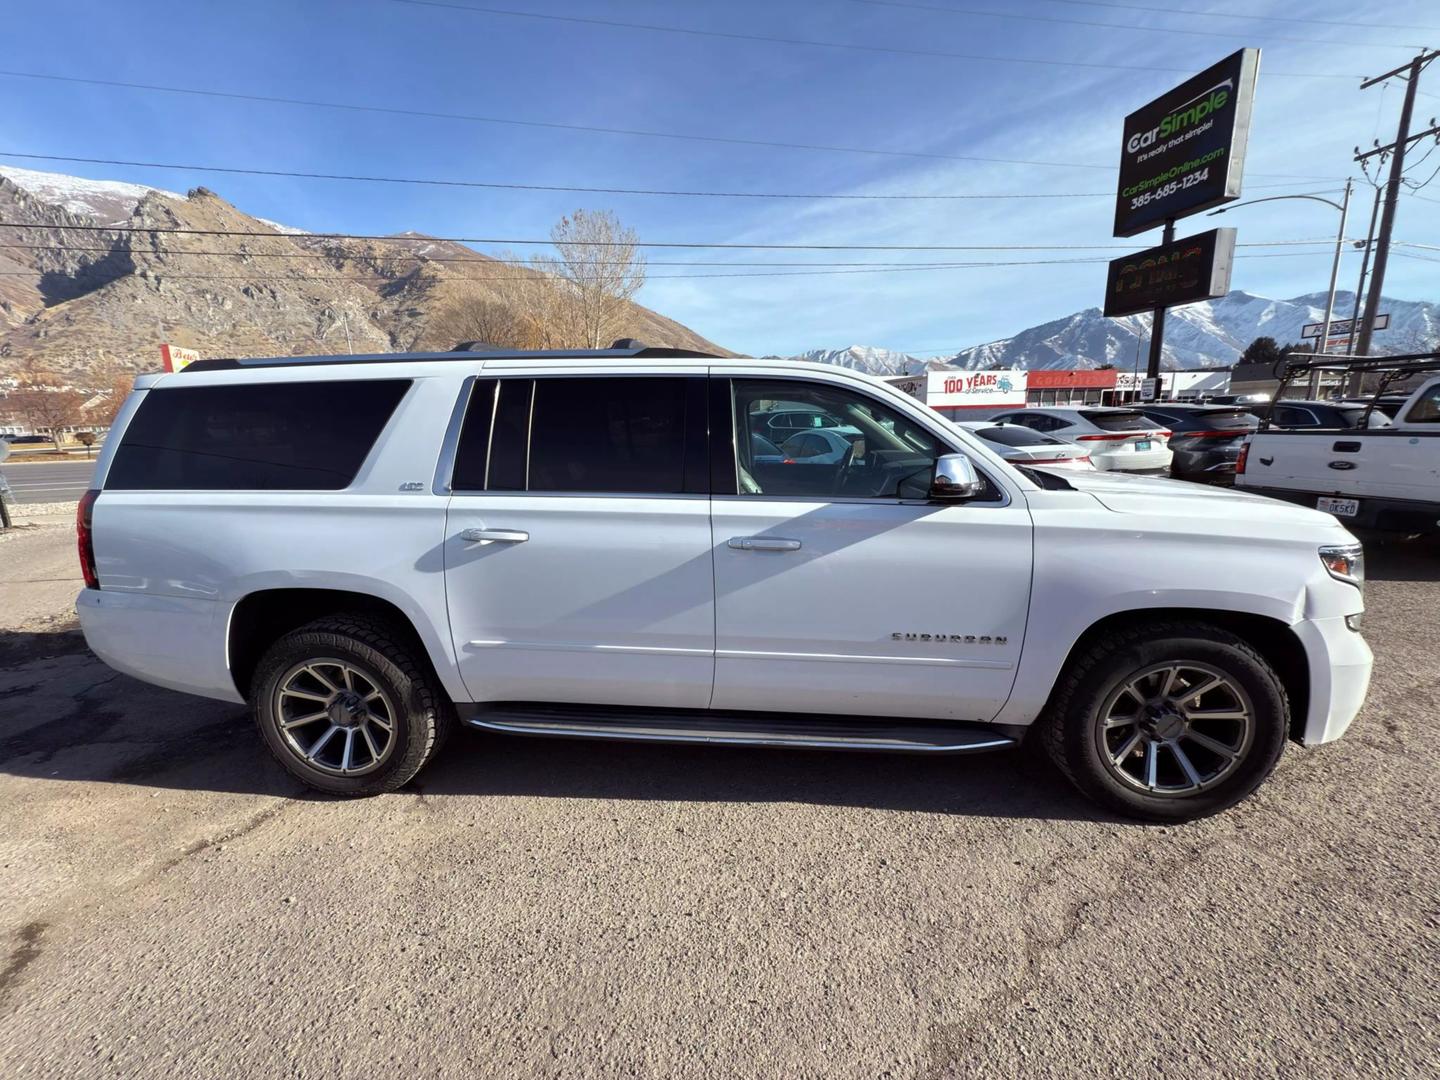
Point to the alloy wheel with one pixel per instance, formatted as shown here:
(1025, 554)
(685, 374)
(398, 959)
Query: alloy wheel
(1174, 729)
(333, 716)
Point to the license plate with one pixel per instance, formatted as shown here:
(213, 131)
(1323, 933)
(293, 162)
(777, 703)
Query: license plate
(1143, 444)
(1338, 507)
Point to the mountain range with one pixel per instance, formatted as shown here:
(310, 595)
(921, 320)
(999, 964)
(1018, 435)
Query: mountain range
(1210, 334)
(77, 293)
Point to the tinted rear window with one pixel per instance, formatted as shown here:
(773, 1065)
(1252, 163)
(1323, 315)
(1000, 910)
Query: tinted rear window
(622, 434)
(1123, 420)
(1229, 419)
(255, 437)
(1015, 436)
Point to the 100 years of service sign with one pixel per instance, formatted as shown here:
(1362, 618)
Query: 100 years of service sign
(1185, 151)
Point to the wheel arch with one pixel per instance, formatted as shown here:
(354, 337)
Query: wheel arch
(1271, 638)
(259, 618)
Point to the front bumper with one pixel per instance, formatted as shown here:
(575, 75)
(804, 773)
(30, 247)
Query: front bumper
(1340, 664)
(1382, 515)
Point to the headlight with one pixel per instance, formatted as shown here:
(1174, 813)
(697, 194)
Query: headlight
(1345, 562)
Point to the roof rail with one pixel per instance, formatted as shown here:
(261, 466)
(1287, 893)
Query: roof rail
(469, 350)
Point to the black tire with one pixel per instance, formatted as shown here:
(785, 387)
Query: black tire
(417, 707)
(1073, 735)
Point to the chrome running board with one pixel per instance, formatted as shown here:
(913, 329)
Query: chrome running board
(737, 729)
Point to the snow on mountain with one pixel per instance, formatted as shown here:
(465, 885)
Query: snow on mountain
(288, 230)
(109, 201)
(1209, 334)
(870, 359)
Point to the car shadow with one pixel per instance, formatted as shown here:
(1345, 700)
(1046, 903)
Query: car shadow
(1397, 558)
(66, 717)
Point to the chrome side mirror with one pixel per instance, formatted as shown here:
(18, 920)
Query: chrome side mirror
(955, 478)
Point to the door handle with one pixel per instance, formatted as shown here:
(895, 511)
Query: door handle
(762, 543)
(504, 536)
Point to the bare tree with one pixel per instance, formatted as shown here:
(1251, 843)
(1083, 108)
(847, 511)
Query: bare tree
(578, 299)
(43, 400)
(474, 316)
(599, 269)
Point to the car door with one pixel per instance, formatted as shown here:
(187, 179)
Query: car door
(577, 553)
(841, 588)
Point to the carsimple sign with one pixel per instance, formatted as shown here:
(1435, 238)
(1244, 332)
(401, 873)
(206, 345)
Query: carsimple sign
(957, 389)
(1149, 389)
(1185, 151)
(1195, 268)
(176, 358)
(1342, 326)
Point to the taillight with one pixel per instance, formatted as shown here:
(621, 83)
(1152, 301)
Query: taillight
(85, 537)
(1101, 438)
(1240, 461)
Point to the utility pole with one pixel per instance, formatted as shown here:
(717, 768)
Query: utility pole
(1364, 270)
(1397, 149)
(1157, 320)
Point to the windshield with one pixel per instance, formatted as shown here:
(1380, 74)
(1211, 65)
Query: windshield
(1118, 419)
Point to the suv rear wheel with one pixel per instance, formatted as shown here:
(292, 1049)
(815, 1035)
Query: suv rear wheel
(347, 707)
(1168, 721)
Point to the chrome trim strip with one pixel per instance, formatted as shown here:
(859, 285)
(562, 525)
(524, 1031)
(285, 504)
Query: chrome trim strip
(445, 466)
(580, 646)
(777, 739)
(857, 658)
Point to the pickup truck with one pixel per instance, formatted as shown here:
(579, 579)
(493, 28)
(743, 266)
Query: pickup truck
(1383, 478)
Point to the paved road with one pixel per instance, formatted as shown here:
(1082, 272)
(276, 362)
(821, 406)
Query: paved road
(172, 905)
(47, 481)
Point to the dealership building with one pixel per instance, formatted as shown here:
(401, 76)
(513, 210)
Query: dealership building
(960, 394)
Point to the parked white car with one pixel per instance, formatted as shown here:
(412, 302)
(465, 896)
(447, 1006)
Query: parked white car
(1119, 440)
(370, 549)
(1021, 445)
(821, 446)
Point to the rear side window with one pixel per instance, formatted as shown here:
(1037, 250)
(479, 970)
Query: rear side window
(1124, 420)
(255, 437)
(616, 435)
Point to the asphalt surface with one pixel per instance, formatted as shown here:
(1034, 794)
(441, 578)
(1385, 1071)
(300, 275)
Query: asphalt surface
(173, 905)
(47, 481)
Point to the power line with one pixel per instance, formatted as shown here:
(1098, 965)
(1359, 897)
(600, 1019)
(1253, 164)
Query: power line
(1111, 25)
(381, 278)
(1308, 21)
(592, 129)
(476, 259)
(496, 185)
(507, 186)
(616, 243)
(931, 54)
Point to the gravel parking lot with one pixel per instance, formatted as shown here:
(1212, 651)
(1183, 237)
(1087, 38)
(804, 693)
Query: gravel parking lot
(175, 906)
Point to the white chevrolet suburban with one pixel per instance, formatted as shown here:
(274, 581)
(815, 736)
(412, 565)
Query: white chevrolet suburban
(606, 544)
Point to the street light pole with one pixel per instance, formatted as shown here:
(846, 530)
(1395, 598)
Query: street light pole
(1344, 208)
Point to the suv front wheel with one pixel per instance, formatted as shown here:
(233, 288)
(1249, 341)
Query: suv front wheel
(1168, 721)
(348, 708)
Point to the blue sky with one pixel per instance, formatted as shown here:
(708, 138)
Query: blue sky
(439, 59)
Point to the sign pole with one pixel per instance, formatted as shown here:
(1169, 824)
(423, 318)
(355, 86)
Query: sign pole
(1157, 319)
